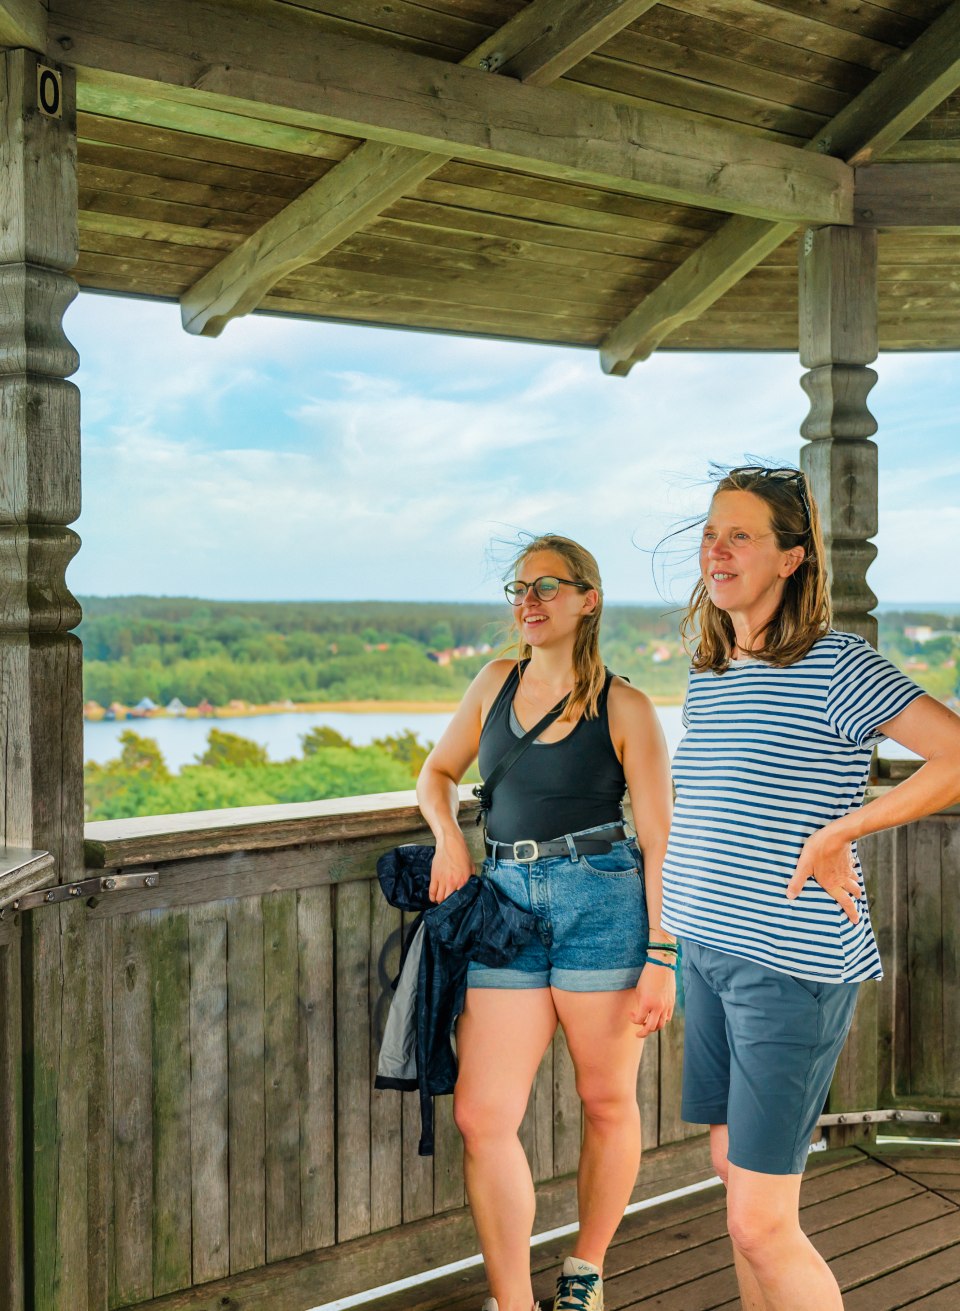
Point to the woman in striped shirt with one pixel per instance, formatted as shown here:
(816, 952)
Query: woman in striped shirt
(761, 880)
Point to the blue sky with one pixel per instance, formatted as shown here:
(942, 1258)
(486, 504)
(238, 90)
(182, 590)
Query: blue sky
(289, 460)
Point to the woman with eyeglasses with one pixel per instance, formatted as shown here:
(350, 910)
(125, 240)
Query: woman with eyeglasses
(762, 883)
(600, 965)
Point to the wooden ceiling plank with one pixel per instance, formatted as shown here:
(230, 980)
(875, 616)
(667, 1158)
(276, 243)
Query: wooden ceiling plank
(23, 23)
(923, 196)
(532, 46)
(929, 68)
(390, 96)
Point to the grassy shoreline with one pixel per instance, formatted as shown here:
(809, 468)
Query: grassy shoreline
(319, 707)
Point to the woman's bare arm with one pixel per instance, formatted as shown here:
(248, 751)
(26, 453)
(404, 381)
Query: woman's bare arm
(442, 771)
(639, 741)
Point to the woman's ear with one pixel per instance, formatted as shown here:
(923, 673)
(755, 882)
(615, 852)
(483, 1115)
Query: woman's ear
(792, 560)
(591, 600)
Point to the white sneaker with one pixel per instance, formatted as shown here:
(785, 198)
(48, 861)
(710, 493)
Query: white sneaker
(579, 1287)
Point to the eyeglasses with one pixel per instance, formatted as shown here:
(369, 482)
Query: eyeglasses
(796, 476)
(545, 588)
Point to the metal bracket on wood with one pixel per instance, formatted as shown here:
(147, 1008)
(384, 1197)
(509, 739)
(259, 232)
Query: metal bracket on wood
(880, 1117)
(94, 887)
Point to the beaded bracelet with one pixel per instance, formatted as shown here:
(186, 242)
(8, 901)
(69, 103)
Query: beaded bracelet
(663, 963)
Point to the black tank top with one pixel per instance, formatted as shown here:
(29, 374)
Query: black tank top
(555, 787)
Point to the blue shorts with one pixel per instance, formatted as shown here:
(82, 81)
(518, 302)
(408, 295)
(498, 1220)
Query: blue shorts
(759, 1051)
(591, 921)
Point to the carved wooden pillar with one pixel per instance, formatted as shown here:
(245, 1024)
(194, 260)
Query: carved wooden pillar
(41, 700)
(41, 706)
(838, 340)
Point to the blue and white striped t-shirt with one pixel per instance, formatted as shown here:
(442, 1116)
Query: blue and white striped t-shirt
(770, 756)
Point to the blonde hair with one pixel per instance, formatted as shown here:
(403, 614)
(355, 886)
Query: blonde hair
(588, 668)
(803, 615)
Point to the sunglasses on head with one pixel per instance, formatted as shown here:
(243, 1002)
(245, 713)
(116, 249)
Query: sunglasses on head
(545, 588)
(784, 475)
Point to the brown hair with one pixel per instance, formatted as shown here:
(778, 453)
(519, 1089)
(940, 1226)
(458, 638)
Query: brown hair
(804, 612)
(588, 668)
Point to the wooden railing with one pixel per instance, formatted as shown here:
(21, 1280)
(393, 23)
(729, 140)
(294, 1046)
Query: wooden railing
(243, 1146)
(21, 872)
(904, 1049)
(213, 1124)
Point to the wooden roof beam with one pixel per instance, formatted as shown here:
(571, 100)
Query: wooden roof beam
(23, 23)
(921, 196)
(539, 43)
(283, 68)
(547, 38)
(894, 102)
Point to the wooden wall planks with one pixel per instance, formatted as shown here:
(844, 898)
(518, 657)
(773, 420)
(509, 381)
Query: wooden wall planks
(233, 1125)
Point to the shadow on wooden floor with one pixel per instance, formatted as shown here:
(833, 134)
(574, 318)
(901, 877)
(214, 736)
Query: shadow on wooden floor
(887, 1220)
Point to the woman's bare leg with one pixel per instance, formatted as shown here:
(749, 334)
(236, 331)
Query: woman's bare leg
(763, 1217)
(751, 1298)
(501, 1038)
(606, 1056)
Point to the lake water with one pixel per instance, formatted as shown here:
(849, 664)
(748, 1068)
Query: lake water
(182, 740)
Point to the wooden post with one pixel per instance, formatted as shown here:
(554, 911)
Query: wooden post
(838, 340)
(41, 722)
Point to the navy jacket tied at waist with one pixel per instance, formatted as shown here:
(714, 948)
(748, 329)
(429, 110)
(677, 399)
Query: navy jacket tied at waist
(477, 922)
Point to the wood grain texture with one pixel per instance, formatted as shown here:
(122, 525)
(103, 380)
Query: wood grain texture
(209, 1130)
(110, 843)
(318, 1078)
(172, 1140)
(246, 1085)
(335, 1273)
(12, 1274)
(23, 23)
(132, 1273)
(352, 983)
(448, 109)
(897, 99)
(281, 1031)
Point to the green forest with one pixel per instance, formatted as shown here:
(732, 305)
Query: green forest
(262, 652)
(326, 652)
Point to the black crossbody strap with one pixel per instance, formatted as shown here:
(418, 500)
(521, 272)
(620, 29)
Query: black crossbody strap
(484, 790)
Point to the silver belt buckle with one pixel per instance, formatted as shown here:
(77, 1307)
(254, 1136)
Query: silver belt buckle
(534, 851)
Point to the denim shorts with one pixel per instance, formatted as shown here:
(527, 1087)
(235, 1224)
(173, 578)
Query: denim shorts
(759, 1051)
(591, 921)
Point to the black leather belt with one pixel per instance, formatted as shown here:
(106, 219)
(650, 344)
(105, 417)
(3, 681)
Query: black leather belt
(528, 850)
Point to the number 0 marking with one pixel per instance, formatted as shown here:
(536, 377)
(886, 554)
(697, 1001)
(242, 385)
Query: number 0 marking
(49, 91)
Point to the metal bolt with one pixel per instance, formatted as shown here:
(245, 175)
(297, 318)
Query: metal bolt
(150, 881)
(109, 884)
(841, 1119)
(49, 897)
(74, 892)
(486, 65)
(931, 1118)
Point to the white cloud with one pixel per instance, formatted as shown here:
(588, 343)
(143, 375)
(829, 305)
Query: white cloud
(292, 459)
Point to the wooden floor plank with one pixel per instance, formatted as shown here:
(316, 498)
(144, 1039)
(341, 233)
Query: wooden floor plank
(892, 1240)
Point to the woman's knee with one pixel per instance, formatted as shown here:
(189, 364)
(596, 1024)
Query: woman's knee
(756, 1228)
(481, 1118)
(606, 1106)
